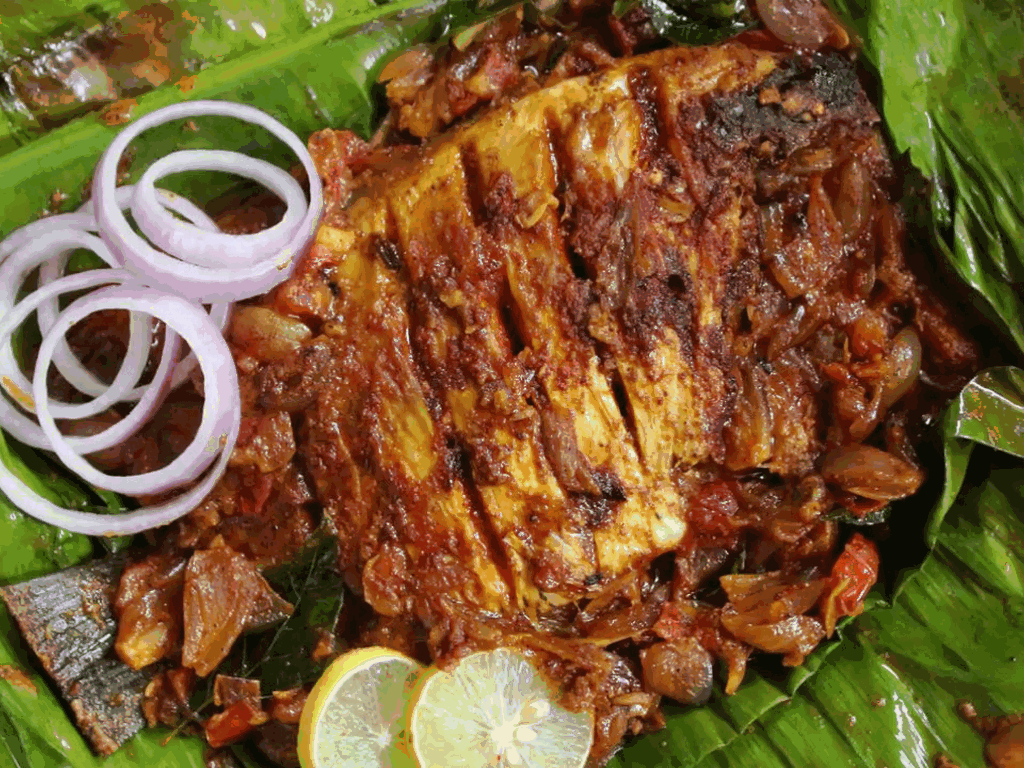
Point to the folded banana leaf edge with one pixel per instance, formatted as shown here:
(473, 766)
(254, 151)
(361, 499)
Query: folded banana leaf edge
(948, 628)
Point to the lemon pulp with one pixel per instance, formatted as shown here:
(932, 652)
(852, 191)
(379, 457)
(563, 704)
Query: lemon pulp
(494, 709)
(355, 714)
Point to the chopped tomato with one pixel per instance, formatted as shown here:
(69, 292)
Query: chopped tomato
(233, 723)
(670, 624)
(853, 575)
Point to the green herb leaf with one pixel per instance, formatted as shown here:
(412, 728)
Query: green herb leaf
(841, 515)
(66, 58)
(316, 589)
(699, 22)
(11, 738)
(281, 657)
(287, 80)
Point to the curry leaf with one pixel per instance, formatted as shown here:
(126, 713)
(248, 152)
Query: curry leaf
(698, 22)
(284, 656)
(315, 587)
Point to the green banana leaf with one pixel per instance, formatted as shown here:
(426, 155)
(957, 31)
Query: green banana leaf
(198, 34)
(883, 692)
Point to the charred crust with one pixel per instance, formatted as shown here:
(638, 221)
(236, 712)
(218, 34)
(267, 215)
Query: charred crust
(794, 103)
(387, 251)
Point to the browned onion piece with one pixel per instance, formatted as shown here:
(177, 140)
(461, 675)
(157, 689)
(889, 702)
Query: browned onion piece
(739, 586)
(800, 23)
(905, 355)
(804, 162)
(681, 669)
(853, 203)
(148, 610)
(796, 636)
(775, 600)
(270, 445)
(798, 326)
(871, 473)
(749, 436)
(224, 596)
(266, 334)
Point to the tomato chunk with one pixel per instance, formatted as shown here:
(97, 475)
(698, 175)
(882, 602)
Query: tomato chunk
(853, 575)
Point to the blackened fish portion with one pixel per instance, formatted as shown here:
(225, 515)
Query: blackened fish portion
(788, 107)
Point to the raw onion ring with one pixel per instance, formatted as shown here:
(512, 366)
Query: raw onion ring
(29, 432)
(188, 322)
(203, 284)
(13, 273)
(213, 248)
(220, 408)
(64, 359)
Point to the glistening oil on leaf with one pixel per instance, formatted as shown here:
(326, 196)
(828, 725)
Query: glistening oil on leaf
(990, 410)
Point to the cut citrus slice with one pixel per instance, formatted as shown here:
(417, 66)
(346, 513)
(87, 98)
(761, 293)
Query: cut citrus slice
(495, 709)
(356, 711)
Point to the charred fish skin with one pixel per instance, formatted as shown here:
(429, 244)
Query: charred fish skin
(562, 279)
(67, 618)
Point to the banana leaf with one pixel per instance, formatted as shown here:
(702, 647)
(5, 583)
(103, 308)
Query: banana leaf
(43, 44)
(883, 692)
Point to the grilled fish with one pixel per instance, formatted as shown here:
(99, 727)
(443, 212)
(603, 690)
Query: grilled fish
(522, 363)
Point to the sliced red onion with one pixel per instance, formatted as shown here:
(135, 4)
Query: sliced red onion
(170, 200)
(905, 353)
(219, 370)
(13, 273)
(30, 232)
(203, 284)
(85, 219)
(13, 420)
(27, 430)
(221, 405)
(93, 524)
(215, 249)
(64, 359)
(219, 314)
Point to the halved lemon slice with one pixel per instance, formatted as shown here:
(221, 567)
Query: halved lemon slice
(355, 713)
(494, 709)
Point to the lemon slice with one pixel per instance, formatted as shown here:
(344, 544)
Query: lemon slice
(355, 713)
(494, 709)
